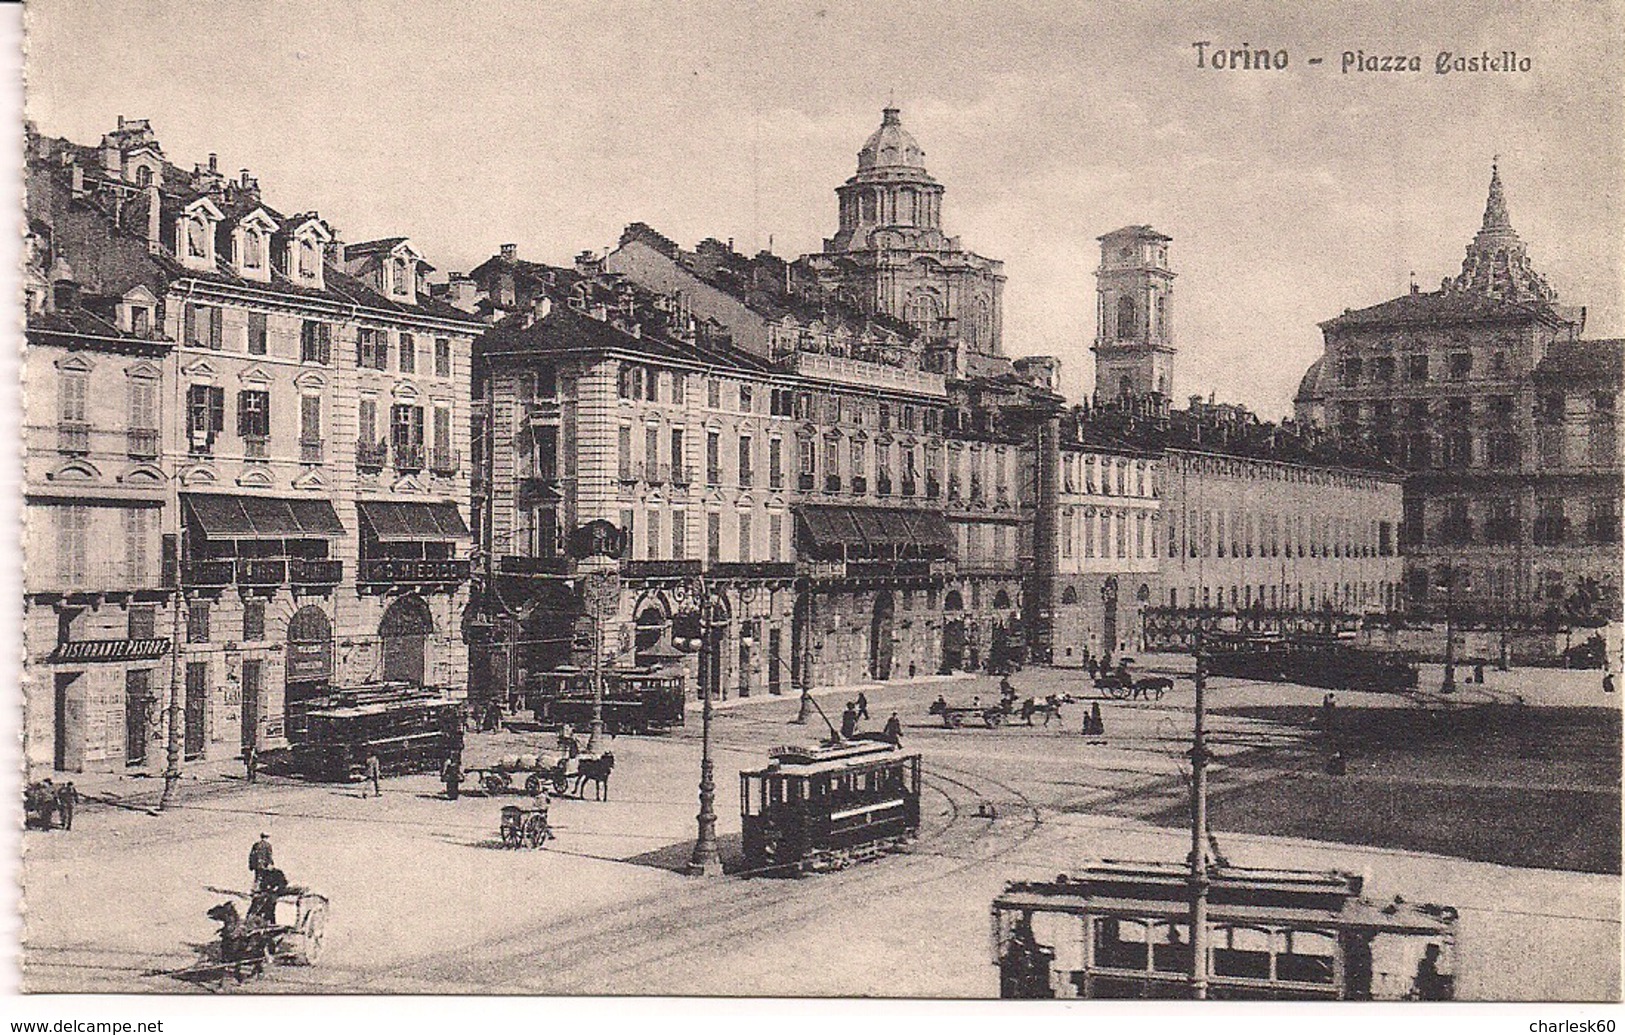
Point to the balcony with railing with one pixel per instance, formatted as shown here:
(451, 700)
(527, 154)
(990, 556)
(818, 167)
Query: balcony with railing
(261, 572)
(73, 437)
(309, 573)
(805, 481)
(208, 574)
(860, 484)
(255, 447)
(832, 483)
(371, 458)
(412, 571)
(445, 461)
(861, 372)
(141, 443)
(310, 452)
(408, 459)
(657, 474)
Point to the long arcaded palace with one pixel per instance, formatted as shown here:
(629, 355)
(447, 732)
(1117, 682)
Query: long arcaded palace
(263, 463)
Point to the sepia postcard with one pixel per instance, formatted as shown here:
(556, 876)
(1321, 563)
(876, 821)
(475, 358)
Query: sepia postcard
(1026, 501)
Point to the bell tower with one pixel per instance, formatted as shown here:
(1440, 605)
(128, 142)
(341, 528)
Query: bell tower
(1134, 288)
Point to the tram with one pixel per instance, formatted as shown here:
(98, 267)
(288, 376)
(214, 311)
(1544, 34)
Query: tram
(634, 701)
(1121, 930)
(1320, 661)
(410, 728)
(822, 808)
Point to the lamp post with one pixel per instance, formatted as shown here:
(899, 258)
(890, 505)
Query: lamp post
(601, 592)
(706, 860)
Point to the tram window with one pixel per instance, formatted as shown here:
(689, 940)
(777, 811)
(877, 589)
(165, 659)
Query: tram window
(1307, 956)
(1120, 943)
(1242, 952)
(1171, 948)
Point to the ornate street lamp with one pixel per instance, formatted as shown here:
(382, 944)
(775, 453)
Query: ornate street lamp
(706, 860)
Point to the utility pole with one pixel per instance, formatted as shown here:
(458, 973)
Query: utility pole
(1199, 880)
(1449, 682)
(172, 761)
(804, 714)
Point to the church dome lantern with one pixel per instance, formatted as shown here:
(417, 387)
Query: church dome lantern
(891, 146)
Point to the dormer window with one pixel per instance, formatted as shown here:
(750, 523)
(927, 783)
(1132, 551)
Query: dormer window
(253, 249)
(143, 176)
(403, 275)
(197, 237)
(309, 258)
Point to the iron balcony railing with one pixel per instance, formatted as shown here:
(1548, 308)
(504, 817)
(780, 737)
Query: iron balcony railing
(73, 437)
(208, 574)
(409, 458)
(371, 458)
(445, 461)
(261, 572)
(142, 443)
(310, 452)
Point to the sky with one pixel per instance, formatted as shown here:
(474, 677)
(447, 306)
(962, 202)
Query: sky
(1291, 194)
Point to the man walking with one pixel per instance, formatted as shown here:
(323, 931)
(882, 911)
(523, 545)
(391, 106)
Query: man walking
(251, 763)
(894, 731)
(849, 721)
(452, 774)
(66, 798)
(863, 705)
(259, 860)
(374, 771)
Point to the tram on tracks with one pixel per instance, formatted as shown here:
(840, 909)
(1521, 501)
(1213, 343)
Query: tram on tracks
(812, 809)
(634, 701)
(1328, 662)
(410, 728)
(1121, 930)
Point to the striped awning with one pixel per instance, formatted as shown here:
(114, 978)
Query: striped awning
(391, 521)
(82, 651)
(877, 528)
(262, 517)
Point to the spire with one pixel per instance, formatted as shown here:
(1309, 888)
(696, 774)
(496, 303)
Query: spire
(1495, 209)
(1497, 263)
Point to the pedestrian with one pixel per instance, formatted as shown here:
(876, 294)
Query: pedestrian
(1094, 669)
(894, 731)
(374, 770)
(259, 860)
(251, 763)
(1478, 673)
(1007, 689)
(452, 774)
(849, 720)
(46, 790)
(863, 705)
(66, 799)
(1608, 682)
(567, 736)
(1097, 725)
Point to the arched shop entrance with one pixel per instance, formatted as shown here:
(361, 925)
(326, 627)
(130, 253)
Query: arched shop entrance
(310, 655)
(880, 635)
(953, 632)
(403, 635)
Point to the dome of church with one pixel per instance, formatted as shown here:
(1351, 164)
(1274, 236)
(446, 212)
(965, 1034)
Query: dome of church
(1309, 388)
(891, 146)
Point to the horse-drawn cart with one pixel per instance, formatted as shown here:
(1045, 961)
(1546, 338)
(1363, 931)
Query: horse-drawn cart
(954, 716)
(522, 827)
(563, 774)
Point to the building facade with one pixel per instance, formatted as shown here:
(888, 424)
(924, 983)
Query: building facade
(306, 438)
(1505, 422)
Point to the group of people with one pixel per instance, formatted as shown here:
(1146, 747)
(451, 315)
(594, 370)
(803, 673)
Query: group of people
(47, 804)
(858, 711)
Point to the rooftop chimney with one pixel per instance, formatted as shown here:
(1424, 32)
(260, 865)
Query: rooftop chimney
(214, 162)
(245, 179)
(510, 252)
(121, 122)
(154, 244)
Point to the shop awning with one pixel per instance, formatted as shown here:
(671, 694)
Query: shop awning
(390, 521)
(81, 651)
(880, 528)
(262, 517)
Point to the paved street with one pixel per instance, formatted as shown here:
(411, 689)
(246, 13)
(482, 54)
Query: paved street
(423, 898)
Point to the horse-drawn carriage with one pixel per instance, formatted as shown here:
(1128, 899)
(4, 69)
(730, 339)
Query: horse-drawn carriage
(955, 716)
(564, 774)
(284, 924)
(1120, 684)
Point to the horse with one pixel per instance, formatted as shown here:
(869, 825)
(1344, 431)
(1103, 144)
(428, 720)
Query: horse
(1144, 688)
(597, 771)
(1049, 708)
(243, 943)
